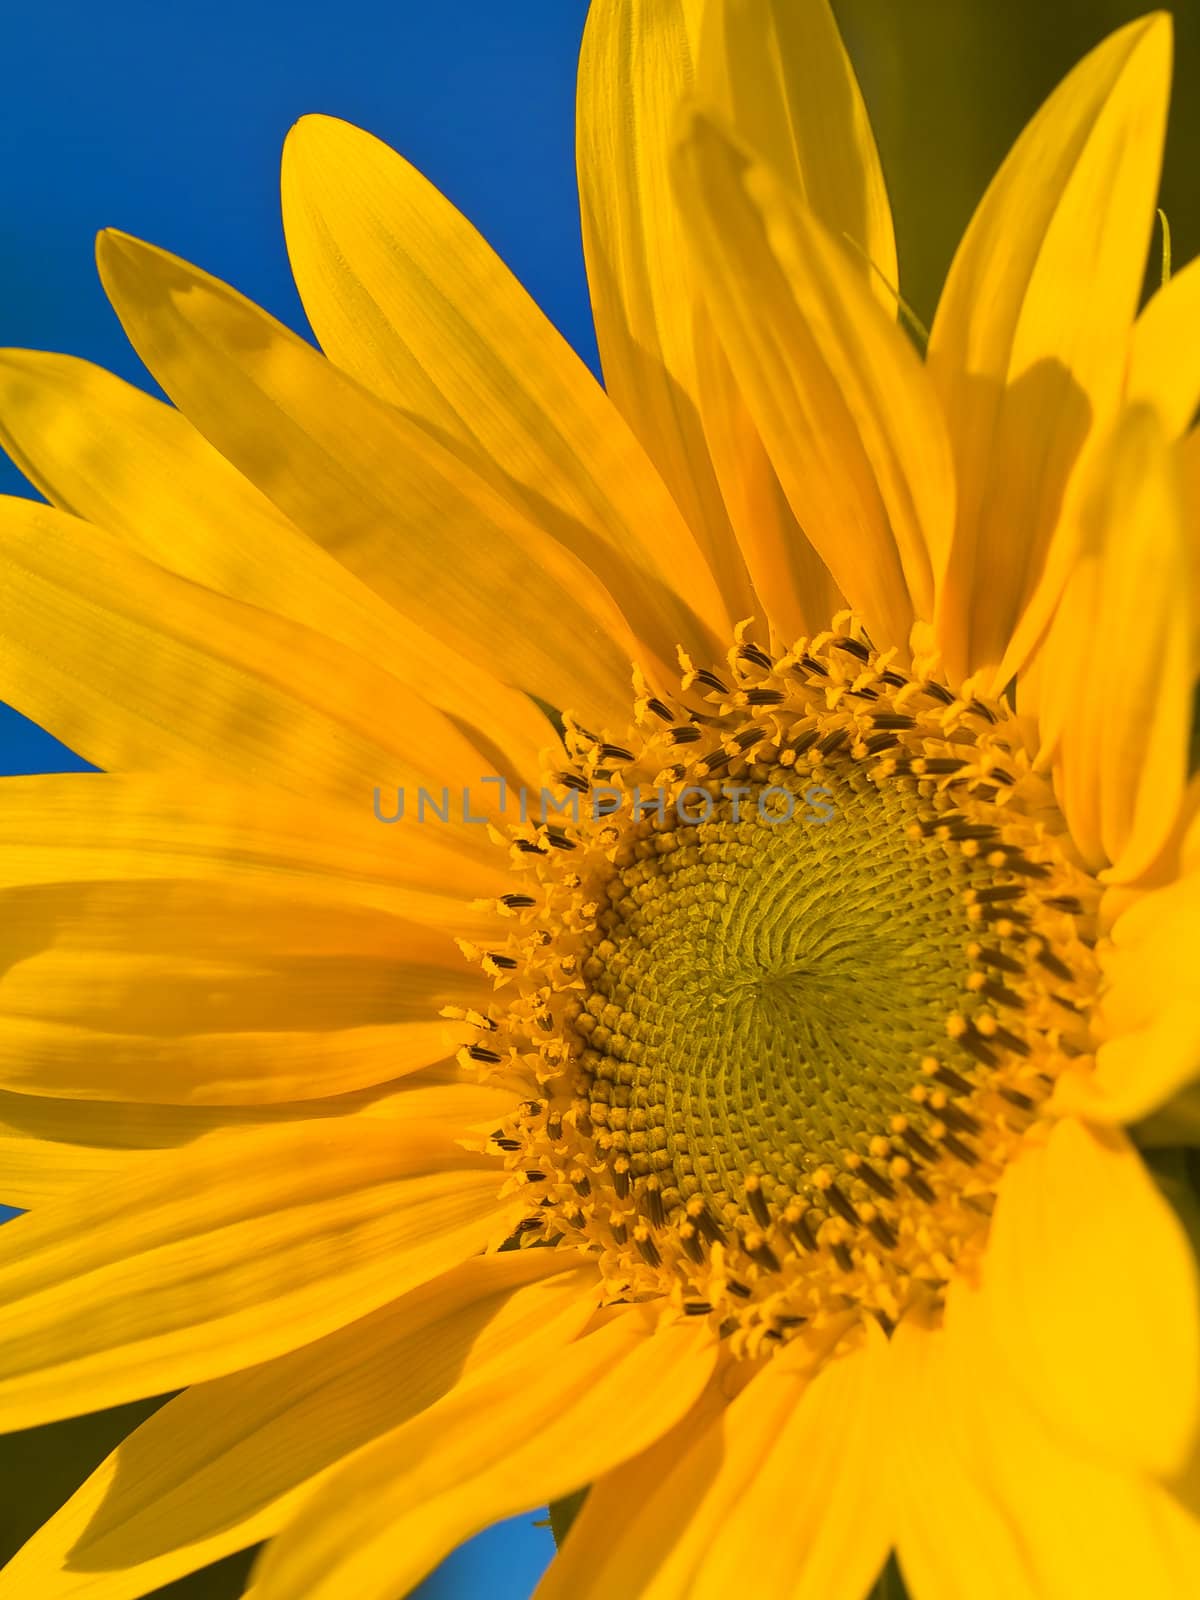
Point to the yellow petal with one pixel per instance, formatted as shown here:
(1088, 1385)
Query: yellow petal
(991, 1503)
(242, 1247)
(225, 1464)
(191, 992)
(100, 448)
(1091, 1292)
(138, 669)
(99, 828)
(406, 296)
(1163, 369)
(1187, 460)
(1148, 1015)
(781, 1483)
(1116, 691)
(635, 66)
(51, 1147)
(401, 508)
(1029, 345)
(836, 390)
(779, 74)
(551, 1422)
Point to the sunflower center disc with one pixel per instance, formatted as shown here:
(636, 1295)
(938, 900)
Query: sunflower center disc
(793, 969)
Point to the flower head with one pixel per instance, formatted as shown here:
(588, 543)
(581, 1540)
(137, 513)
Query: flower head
(705, 1077)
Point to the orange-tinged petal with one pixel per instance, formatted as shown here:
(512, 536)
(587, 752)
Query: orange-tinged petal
(404, 294)
(1029, 344)
(837, 392)
(103, 450)
(1090, 1289)
(226, 1463)
(239, 1248)
(549, 1423)
(403, 509)
(1116, 688)
(782, 1482)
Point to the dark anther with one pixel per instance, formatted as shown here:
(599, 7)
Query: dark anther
(507, 1144)
(980, 710)
(936, 691)
(661, 711)
(957, 1148)
(648, 1251)
(841, 1204)
(956, 1117)
(954, 1080)
(751, 652)
(920, 1188)
(693, 1245)
(804, 742)
(864, 694)
(811, 664)
(1000, 891)
(653, 1202)
(972, 830)
(507, 963)
(747, 737)
(717, 760)
(756, 1200)
(942, 820)
(919, 1143)
(615, 752)
(773, 1333)
(997, 958)
(893, 719)
(876, 1180)
(1054, 964)
(517, 902)
(711, 681)
(764, 697)
(686, 733)
(1027, 869)
(942, 766)
(708, 1225)
(877, 743)
(529, 848)
(620, 1233)
(696, 1308)
(582, 1185)
(620, 1178)
(973, 1042)
(802, 1229)
(832, 741)
(1016, 1098)
(527, 1224)
(535, 1177)
(740, 1289)
(852, 647)
(843, 1258)
(572, 780)
(559, 840)
(479, 1052)
(1011, 1041)
(897, 680)
(1002, 775)
(883, 1231)
(1065, 902)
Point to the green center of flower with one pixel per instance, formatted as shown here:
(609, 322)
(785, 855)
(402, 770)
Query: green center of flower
(788, 989)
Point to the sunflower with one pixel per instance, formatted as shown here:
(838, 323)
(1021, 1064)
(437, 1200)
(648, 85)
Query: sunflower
(702, 1075)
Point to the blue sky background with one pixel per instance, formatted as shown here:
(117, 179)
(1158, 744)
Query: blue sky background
(167, 121)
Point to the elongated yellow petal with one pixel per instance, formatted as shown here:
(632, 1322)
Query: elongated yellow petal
(1116, 692)
(405, 511)
(225, 1464)
(835, 389)
(549, 1423)
(952, 1537)
(991, 1502)
(100, 448)
(100, 828)
(779, 74)
(1148, 1016)
(1088, 1274)
(635, 66)
(404, 294)
(1028, 347)
(52, 1147)
(781, 77)
(1164, 370)
(781, 1482)
(237, 1249)
(149, 671)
